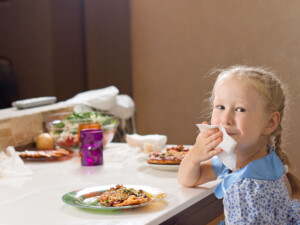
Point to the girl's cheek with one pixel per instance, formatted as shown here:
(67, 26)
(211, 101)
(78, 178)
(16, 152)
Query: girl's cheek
(214, 122)
(214, 119)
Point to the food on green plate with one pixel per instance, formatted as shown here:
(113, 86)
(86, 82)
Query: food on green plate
(121, 196)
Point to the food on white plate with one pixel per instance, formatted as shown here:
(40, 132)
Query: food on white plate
(121, 196)
(172, 156)
(44, 141)
(178, 150)
(163, 158)
(41, 154)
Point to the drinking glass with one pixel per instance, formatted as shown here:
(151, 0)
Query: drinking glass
(87, 126)
(91, 147)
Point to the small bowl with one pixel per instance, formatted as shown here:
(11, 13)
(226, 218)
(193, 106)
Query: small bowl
(65, 131)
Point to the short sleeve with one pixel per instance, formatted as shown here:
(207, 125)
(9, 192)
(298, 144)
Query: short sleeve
(219, 168)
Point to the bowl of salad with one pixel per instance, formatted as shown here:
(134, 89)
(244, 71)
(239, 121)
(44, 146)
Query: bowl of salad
(63, 127)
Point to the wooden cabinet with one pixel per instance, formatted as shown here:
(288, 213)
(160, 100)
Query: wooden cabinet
(108, 47)
(63, 47)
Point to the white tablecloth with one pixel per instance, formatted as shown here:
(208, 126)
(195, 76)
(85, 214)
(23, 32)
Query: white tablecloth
(37, 199)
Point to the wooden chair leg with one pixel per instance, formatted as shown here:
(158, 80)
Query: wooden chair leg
(216, 220)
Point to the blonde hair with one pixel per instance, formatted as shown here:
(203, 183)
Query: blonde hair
(271, 90)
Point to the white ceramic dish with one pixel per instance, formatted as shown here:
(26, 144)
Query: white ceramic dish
(164, 167)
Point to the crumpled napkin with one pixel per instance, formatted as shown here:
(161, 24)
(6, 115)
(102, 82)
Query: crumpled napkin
(11, 164)
(106, 99)
(228, 144)
(157, 141)
(102, 99)
(124, 107)
(118, 153)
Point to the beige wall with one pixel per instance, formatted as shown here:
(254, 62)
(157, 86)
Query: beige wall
(176, 43)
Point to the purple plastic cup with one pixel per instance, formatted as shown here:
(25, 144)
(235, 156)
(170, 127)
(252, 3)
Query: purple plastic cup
(91, 147)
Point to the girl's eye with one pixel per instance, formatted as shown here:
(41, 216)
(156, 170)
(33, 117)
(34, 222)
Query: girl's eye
(220, 107)
(241, 110)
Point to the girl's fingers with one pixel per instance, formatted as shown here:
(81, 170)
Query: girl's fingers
(209, 132)
(214, 136)
(215, 143)
(204, 122)
(215, 152)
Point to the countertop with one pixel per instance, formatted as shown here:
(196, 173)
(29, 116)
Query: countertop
(37, 199)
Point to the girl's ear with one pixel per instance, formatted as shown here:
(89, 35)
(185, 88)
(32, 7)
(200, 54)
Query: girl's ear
(272, 123)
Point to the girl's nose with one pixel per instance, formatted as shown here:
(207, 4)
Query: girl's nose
(227, 119)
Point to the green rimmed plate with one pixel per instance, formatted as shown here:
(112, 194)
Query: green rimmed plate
(89, 197)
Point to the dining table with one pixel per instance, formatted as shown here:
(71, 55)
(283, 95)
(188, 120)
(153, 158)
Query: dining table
(37, 199)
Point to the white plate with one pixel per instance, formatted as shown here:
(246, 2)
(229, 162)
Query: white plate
(164, 167)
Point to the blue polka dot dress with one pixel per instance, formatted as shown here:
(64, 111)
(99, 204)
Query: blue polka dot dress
(256, 194)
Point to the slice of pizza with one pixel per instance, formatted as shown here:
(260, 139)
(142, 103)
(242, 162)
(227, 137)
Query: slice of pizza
(121, 196)
(178, 150)
(163, 158)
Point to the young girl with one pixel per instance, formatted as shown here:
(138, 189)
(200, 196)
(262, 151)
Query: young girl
(249, 104)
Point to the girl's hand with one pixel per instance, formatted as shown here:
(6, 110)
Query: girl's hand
(205, 146)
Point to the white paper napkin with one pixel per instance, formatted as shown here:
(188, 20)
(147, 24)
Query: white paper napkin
(228, 144)
(118, 153)
(11, 164)
(156, 140)
(124, 107)
(102, 99)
